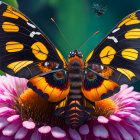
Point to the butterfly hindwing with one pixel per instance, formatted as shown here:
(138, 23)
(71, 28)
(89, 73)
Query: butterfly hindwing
(49, 87)
(118, 54)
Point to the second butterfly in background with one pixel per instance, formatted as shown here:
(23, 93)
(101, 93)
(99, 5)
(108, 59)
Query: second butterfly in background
(99, 9)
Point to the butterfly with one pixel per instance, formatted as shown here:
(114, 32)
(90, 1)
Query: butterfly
(75, 85)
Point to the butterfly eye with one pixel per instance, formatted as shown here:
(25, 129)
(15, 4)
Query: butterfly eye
(60, 75)
(73, 53)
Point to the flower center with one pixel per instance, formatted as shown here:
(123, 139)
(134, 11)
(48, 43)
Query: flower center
(31, 106)
(104, 108)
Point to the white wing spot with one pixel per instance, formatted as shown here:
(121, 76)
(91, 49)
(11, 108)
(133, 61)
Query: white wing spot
(102, 67)
(34, 33)
(31, 25)
(113, 38)
(0, 2)
(115, 30)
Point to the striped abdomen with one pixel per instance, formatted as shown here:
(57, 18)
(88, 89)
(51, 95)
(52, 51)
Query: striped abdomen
(73, 111)
(75, 80)
(76, 113)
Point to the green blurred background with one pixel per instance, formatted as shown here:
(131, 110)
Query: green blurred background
(76, 19)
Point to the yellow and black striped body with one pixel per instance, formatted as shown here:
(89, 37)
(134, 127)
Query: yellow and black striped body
(75, 113)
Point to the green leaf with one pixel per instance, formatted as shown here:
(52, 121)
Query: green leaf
(2, 73)
(11, 2)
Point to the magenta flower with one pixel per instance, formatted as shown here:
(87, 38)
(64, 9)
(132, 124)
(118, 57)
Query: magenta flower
(23, 116)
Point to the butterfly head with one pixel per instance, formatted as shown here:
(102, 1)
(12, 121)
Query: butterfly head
(75, 53)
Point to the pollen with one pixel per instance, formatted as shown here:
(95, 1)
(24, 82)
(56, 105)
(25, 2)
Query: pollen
(104, 108)
(32, 106)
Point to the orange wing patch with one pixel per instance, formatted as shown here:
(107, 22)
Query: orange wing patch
(63, 103)
(130, 54)
(132, 34)
(129, 20)
(10, 27)
(89, 56)
(9, 14)
(105, 90)
(13, 46)
(107, 55)
(39, 50)
(127, 73)
(61, 57)
(53, 94)
(16, 66)
(13, 13)
(106, 72)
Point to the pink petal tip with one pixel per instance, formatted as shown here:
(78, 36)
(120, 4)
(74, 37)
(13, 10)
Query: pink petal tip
(44, 129)
(28, 124)
(102, 119)
(58, 132)
(84, 129)
(74, 134)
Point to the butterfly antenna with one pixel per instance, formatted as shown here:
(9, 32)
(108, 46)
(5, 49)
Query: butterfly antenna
(61, 33)
(88, 39)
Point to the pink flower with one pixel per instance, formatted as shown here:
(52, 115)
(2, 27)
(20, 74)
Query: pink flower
(23, 115)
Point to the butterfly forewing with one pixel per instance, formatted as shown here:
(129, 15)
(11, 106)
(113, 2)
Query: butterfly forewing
(118, 53)
(23, 46)
(25, 51)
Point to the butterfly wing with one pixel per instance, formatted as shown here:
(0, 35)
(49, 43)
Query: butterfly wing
(118, 55)
(26, 52)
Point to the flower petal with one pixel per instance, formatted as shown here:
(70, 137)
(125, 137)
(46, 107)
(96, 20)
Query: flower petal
(127, 91)
(134, 117)
(115, 118)
(28, 124)
(135, 134)
(123, 131)
(102, 119)
(5, 138)
(21, 133)
(74, 134)
(127, 101)
(3, 122)
(11, 129)
(100, 131)
(84, 129)
(58, 132)
(136, 125)
(128, 109)
(123, 114)
(123, 87)
(45, 129)
(36, 135)
(13, 118)
(6, 110)
(114, 133)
